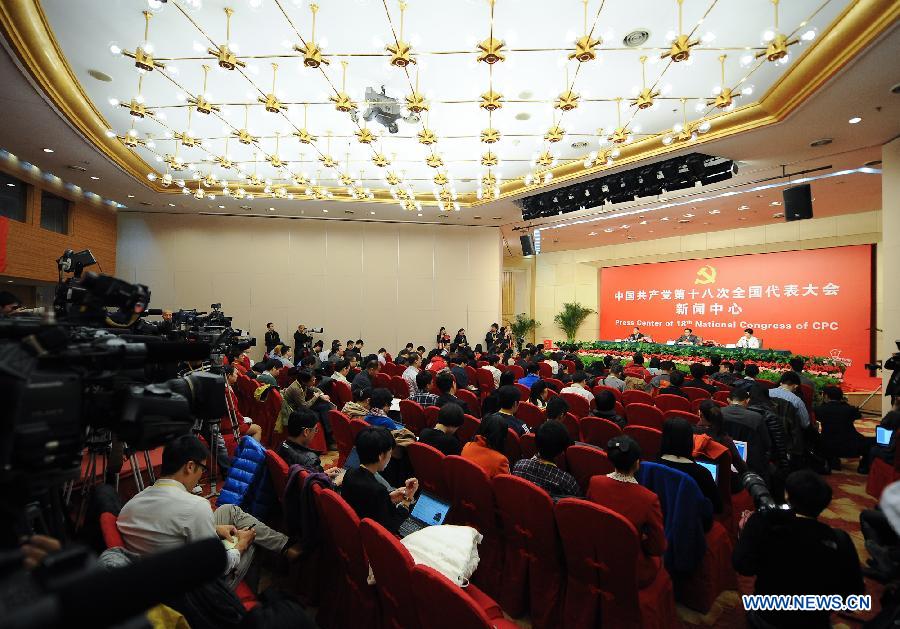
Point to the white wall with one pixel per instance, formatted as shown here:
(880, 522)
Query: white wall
(385, 283)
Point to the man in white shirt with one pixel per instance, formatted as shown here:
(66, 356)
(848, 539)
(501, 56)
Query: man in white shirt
(410, 373)
(167, 515)
(579, 386)
(493, 360)
(748, 340)
(341, 369)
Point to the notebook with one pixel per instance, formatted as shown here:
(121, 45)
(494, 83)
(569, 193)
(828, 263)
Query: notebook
(428, 511)
(741, 448)
(713, 469)
(883, 436)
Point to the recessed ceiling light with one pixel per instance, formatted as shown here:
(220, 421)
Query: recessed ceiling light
(48, 150)
(684, 220)
(775, 203)
(221, 207)
(171, 205)
(630, 237)
(778, 215)
(608, 230)
(324, 211)
(742, 218)
(664, 218)
(477, 218)
(688, 215)
(743, 207)
(855, 120)
(642, 223)
(130, 196)
(496, 218)
(579, 145)
(418, 215)
(271, 209)
(592, 234)
(95, 177)
(821, 142)
(11, 185)
(372, 212)
(715, 211)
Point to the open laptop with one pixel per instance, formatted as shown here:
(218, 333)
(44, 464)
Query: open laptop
(741, 448)
(428, 511)
(883, 436)
(713, 469)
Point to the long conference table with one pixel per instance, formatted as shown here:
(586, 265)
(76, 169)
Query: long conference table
(661, 348)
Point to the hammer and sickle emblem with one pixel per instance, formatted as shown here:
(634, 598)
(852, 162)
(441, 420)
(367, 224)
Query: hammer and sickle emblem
(706, 275)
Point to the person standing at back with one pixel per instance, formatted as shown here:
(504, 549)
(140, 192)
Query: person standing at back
(271, 338)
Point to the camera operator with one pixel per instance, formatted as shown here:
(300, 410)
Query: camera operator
(791, 552)
(166, 325)
(167, 515)
(302, 339)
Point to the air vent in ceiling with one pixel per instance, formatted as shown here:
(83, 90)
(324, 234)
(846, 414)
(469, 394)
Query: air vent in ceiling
(637, 37)
(684, 220)
(147, 203)
(80, 169)
(100, 76)
(579, 145)
(822, 142)
(245, 207)
(523, 115)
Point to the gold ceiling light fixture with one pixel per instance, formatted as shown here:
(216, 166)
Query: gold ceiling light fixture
(555, 133)
(166, 180)
(490, 135)
(725, 98)
(411, 205)
(225, 56)
(416, 102)
(243, 135)
(275, 159)
(381, 160)
(776, 43)
(646, 96)
(358, 191)
(685, 131)
(137, 106)
(187, 136)
(568, 99)
(300, 179)
(393, 179)
(434, 160)
(312, 53)
(130, 138)
(537, 177)
(174, 162)
(200, 101)
(239, 193)
(271, 102)
(143, 54)
(427, 137)
(489, 158)
(303, 134)
(224, 160)
(364, 136)
(209, 180)
(342, 101)
(345, 177)
(441, 179)
(401, 51)
(327, 160)
(253, 178)
(491, 100)
(681, 43)
(605, 156)
(490, 183)
(490, 51)
(621, 134)
(546, 159)
(585, 46)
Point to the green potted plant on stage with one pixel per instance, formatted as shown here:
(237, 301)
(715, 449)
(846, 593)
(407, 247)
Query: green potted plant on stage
(522, 325)
(571, 317)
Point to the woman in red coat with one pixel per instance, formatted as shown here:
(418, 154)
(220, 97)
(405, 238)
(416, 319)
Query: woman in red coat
(620, 492)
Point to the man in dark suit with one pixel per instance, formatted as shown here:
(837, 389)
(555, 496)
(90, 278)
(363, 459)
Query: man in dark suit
(688, 338)
(698, 372)
(446, 385)
(365, 378)
(749, 426)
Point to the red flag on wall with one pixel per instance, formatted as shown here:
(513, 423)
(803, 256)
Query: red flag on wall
(4, 233)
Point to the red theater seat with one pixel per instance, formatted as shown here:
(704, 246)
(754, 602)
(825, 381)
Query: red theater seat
(665, 402)
(598, 431)
(649, 439)
(413, 415)
(428, 464)
(585, 462)
(644, 415)
(441, 604)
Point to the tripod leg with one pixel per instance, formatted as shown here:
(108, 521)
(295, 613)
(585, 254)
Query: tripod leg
(151, 475)
(136, 471)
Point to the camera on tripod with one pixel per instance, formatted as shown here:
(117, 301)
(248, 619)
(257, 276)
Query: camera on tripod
(892, 364)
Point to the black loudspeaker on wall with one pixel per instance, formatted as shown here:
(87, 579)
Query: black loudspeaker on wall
(527, 245)
(798, 203)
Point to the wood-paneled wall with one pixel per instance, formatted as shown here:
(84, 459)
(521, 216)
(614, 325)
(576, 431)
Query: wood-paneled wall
(31, 251)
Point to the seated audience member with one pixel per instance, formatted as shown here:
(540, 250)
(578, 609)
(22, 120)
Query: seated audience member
(491, 404)
(661, 380)
(423, 395)
(487, 447)
(676, 381)
(446, 384)
(302, 427)
(268, 372)
(443, 435)
(743, 424)
(635, 383)
(751, 372)
(637, 366)
(508, 405)
(508, 358)
(318, 349)
(676, 451)
(792, 552)
(367, 493)
(606, 408)
(738, 371)
(553, 361)
(551, 439)
(524, 359)
(747, 340)
(233, 414)
(359, 407)
(379, 405)
(891, 421)
(382, 356)
(413, 367)
(365, 379)
(621, 492)
(539, 394)
(616, 377)
(839, 435)
(698, 372)
(457, 363)
(167, 515)
(797, 365)
(341, 370)
(725, 374)
(282, 354)
(302, 393)
(578, 386)
(787, 389)
(359, 348)
(653, 366)
(493, 360)
(556, 408)
(712, 424)
(531, 375)
(715, 363)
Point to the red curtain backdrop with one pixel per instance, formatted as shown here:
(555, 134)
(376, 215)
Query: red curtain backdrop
(816, 302)
(4, 235)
